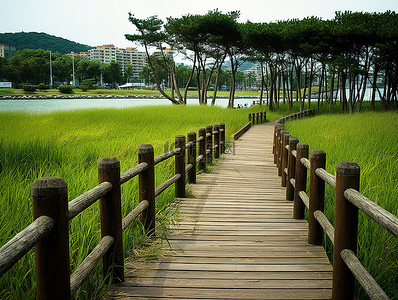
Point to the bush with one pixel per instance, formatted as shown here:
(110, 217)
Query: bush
(65, 89)
(29, 87)
(43, 87)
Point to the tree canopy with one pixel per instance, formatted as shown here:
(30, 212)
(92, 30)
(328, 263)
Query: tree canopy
(343, 55)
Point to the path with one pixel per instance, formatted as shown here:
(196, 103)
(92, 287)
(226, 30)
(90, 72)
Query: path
(237, 239)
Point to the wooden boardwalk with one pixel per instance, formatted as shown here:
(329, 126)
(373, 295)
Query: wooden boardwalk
(237, 239)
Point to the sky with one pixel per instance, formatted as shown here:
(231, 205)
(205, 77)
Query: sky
(102, 22)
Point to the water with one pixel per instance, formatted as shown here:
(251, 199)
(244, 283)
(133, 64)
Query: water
(47, 105)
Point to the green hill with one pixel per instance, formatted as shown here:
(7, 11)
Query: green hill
(36, 40)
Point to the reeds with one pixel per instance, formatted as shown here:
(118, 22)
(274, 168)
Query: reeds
(371, 140)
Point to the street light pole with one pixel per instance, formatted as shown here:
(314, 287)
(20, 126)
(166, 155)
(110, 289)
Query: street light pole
(51, 73)
(73, 69)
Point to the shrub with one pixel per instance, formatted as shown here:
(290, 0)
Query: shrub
(29, 87)
(43, 87)
(65, 89)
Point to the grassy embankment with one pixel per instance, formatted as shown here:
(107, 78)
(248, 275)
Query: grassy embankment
(137, 93)
(371, 140)
(69, 144)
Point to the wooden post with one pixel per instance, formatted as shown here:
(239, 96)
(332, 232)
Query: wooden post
(261, 117)
(250, 117)
(280, 150)
(222, 137)
(192, 157)
(179, 166)
(257, 117)
(216, 141)
(147, 187)
(209, 144)
(253, 118)
(317, 197)
(265, 117)
(277, 127)
(285, 152)
(111, 217)
(346, 226)
(281, 131)
(291, 166)
(301, 181)
(50, 198)
(202, 149)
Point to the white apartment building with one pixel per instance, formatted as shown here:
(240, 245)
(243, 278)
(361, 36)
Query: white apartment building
(128, 56)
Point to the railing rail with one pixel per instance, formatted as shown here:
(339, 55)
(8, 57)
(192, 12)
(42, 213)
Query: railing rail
(50, 202)
(346, 265)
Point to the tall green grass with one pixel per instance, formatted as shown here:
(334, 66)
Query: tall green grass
(371, 140)
(69, 144)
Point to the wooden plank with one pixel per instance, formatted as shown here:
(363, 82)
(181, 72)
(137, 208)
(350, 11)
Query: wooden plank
(203, 293)
(144, 273)
(227, 283)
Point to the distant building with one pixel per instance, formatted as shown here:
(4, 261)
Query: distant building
(124, 56)
(7, 51)
(255, 70)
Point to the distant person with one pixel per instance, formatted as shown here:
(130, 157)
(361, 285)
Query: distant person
(238, 105)
(245, 105)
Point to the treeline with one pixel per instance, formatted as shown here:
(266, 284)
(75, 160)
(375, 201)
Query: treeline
(343, 56)
(41, 40)
(33, 66)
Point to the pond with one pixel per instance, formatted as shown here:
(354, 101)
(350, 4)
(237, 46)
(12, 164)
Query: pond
(46, 105)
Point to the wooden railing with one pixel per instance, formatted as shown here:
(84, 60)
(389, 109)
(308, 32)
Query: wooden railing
(254, 118)
(49, 235)
(291, 158)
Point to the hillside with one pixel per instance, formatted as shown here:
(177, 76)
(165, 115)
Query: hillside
(36, 40)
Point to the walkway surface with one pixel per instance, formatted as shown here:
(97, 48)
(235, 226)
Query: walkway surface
(237, 239)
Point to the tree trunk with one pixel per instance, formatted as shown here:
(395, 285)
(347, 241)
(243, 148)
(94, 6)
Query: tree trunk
(213, 100)
(155, 76)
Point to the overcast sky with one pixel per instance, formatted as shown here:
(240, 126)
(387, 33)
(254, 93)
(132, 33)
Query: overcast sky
(105, 22)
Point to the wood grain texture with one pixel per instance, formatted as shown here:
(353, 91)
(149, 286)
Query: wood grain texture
(236, 240)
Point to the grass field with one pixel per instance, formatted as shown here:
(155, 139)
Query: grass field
(69, 144)
(371, 140)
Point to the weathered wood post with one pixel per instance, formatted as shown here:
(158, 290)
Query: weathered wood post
(265, 117)
(179, 166)
(261, 117)
(147, 187)
(216, 141)
(279, 127)
(192, 157)
(222, 137)
(253, 118)
(291, 167)
(301, 181)
(111, 217)
(257, 117)
(202, 148)
(345, 228)
(285, 153)
(250, 118)
(317, 197)
(281, 134)
(209, 144)
(50, 198)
